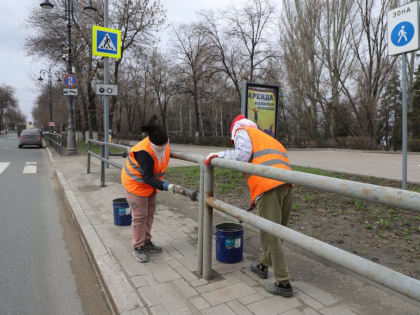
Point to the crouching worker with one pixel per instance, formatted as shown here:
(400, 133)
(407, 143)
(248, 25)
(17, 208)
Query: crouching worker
(272, 198)
(142, 177)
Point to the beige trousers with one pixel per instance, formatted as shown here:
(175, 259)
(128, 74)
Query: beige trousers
(142, 212)
(275, 205)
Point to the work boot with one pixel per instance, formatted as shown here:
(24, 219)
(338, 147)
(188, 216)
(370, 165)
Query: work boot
(152, 248)
(278, 288)
(260, 270)
(140, 254)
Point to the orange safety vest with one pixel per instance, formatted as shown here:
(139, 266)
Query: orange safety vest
(131, 174)
(265, 151)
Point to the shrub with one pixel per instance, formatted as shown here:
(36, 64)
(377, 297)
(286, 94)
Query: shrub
(340, 142)
(414, 145)
(361, 143)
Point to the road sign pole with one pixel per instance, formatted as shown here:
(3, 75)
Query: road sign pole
(106, 97)
(106, 42)
(404, 119)
(404, 37)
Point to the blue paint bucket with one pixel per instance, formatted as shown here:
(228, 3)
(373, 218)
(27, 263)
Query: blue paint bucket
(229, 242)
(122, 213)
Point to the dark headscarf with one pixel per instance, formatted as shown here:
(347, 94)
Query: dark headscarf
(157, 133)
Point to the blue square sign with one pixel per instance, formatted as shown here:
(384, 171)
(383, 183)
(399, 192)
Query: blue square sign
(106, 42)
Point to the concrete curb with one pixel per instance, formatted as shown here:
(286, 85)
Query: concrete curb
(119, 293)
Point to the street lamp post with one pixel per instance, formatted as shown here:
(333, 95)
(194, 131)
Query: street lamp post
(71, 139)
(49, 75)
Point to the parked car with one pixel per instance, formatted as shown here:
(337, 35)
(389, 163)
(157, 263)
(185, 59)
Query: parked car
(30, 137)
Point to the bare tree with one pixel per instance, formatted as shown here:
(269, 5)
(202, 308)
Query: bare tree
(250, 25)
(303, 63)
(227, 52)
(7, 101)
(161, 82)
(196, 65)
(137, 20)
(369, 45)
(40, 111)
(240, 38)
(49, 42)
(338, 59)
(13, 117)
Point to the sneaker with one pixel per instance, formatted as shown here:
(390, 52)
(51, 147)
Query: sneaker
(260, 270)
(152, 248)
(282, 289)
(140, 254)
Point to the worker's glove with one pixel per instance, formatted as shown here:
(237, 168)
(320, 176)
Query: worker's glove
(210, 157)
(173, 188)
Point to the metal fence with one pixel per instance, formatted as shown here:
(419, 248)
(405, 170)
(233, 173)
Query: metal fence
(101, 157)
(55, 140)
(388, 196)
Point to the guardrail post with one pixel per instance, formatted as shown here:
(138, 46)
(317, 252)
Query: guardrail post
(102, 166)
(202, 206)
(88, 157)
(207, 223)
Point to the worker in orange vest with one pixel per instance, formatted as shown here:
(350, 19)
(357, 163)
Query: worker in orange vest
(142, 177)
(272, 198)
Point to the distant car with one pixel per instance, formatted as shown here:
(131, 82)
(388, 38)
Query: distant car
(30, 137)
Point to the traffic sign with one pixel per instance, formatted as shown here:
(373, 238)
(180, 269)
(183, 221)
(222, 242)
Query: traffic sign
(403, 29)
(106, 89)
(70, 81)
(106, 42)
(70, 91)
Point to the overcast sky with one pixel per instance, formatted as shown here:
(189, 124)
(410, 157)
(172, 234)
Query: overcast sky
(16, 69)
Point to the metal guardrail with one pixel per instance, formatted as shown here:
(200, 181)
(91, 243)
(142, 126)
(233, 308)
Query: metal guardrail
(388, 196)
(54, 140)
(364, 267)
(102, 156)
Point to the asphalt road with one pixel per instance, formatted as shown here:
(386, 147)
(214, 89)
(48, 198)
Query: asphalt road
(43, 267)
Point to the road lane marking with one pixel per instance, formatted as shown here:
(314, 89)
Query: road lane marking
(29, 168)
(3, 166)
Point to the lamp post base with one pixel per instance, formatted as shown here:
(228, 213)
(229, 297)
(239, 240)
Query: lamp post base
(71, 148)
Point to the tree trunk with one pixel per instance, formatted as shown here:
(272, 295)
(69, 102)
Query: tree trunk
(197, 119)
(93, 122)
(114, 99)
(181, 121)
(190, 124)
(84, 105)
(77, 116)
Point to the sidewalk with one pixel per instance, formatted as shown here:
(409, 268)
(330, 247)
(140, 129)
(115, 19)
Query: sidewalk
(168, 283)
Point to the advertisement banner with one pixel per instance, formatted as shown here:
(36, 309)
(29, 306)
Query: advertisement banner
(262, 108)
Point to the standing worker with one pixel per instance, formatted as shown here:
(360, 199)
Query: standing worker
(272, 198)
(142, 177)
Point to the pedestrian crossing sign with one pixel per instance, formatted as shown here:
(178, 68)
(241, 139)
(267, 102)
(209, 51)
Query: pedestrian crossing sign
(106, 42)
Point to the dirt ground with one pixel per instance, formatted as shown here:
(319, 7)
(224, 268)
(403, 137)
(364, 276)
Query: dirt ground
(388, 236)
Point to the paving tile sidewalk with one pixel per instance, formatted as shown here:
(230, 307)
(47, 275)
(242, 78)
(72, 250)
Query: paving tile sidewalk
(168, 283)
